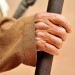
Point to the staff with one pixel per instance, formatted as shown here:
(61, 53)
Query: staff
(44, 60)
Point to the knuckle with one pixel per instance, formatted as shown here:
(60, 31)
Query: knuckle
(38, 15)
(54, 18)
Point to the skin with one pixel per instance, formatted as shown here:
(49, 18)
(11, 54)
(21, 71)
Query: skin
(51, 31)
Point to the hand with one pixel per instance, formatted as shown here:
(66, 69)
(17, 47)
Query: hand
(51, 31)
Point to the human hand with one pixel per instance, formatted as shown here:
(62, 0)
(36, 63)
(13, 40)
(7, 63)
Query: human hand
(51, 31)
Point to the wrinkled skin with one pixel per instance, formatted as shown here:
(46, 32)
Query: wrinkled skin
(51, 31)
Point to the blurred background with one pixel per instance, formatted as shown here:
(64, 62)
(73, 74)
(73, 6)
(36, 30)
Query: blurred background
(64, 64)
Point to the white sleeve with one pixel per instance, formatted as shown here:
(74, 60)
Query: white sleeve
(4, 7)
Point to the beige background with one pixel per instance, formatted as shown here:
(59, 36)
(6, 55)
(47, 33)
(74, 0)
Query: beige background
(64, 64)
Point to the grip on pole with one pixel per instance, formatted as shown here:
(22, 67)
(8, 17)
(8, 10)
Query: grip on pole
(44, 60)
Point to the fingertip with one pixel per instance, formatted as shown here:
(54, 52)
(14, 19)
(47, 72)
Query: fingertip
(69, 30)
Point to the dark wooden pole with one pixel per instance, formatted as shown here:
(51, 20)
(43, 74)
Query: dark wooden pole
(44, 60)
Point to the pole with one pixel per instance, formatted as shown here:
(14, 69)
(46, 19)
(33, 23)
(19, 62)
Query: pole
(44, 60)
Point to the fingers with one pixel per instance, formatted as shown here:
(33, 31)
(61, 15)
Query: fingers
(48, 48)
(54, 18)
(41, 26)
(52, 29)
(57, 31)
(49, 38)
